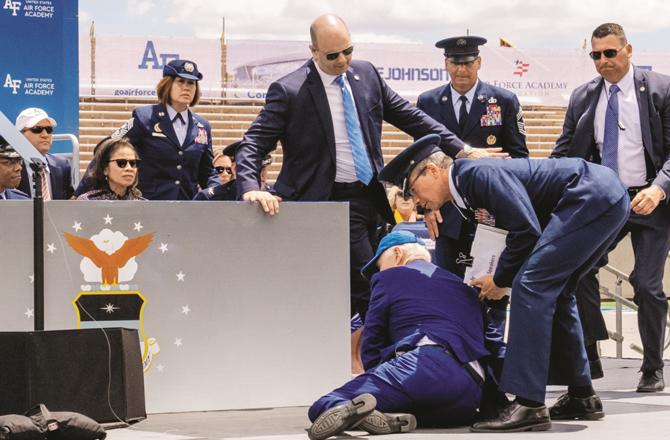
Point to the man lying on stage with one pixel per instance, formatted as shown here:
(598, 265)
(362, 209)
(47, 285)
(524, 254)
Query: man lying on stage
(422, 341)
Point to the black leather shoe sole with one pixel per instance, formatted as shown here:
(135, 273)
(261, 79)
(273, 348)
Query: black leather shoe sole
(341, 418)
(379, 423)
(538, 426)
(596, 415)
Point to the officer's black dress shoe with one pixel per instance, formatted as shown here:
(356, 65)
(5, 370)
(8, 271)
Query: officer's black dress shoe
(343, 417)
(516, 418)
(568, 407)
(596, 369)
(651, 382)
(388, 423)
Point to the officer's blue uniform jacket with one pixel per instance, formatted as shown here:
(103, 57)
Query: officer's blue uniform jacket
(169, 171)
(495, 120)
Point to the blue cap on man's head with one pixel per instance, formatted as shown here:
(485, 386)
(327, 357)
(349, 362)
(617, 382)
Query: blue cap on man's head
(398, 170)
(461, 49)
(395, 238)
(183, 69)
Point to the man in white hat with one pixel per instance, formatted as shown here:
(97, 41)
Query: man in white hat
(37, 126)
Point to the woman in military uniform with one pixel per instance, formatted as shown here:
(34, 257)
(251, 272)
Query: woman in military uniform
(174, 144)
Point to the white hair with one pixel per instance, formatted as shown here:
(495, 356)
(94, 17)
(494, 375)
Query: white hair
(415, 251)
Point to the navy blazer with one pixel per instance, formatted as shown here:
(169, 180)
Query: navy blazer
(15, 194)
(525, 194)
(60, 175)
(169, 171)
(510, 133)
(297, 113)
(226, 191)
(417, 300)
(653, 97)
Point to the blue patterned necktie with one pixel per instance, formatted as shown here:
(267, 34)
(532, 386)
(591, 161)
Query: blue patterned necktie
(611, 138)
(463, 112)
(359, 153)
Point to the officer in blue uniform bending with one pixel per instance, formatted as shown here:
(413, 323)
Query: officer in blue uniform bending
(483, 116)
(422, 343)
(561, 217)
(174, 144)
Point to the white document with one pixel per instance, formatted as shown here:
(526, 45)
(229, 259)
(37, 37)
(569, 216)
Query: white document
(487, 246)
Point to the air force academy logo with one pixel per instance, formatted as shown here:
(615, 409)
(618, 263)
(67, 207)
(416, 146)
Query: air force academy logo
(13, 6)
(14, 84)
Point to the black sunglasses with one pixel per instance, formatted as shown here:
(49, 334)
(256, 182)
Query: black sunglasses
(609, 53)
(333, 55)
(37, 129)
(227, 170)
(121, 163)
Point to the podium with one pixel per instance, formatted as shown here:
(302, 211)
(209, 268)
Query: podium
(89, 371)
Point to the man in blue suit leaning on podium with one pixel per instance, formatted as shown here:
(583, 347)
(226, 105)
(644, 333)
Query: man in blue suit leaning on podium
(561, 217)
(422, 343)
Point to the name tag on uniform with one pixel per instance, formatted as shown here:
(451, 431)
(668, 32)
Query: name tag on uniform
(158, 135)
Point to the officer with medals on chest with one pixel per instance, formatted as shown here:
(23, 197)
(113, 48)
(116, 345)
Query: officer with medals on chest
(483, 116)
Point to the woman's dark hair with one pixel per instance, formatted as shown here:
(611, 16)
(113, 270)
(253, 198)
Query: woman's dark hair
(103, 152)
(165, 85)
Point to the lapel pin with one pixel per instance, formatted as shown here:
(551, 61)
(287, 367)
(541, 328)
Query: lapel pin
(480, 98)
(356, 77)
(445, 99)
(157, 128)
(161, 113)
(642, 89)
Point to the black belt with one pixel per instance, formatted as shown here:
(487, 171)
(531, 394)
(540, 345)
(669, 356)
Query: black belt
(633, 190)
(471, 371)
(349, 189)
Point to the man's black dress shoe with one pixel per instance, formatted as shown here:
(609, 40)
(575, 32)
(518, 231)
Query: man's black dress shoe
(343, 417)
(651, 382)
(596, 369)
(568, 407)
(516, 418)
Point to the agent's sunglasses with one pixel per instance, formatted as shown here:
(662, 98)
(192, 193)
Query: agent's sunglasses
(122, 163)
(609, 53)
(346, 52)
(38, 129)
(227, 170)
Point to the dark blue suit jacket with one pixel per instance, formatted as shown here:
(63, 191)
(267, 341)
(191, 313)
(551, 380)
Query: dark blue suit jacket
(653, 97)
(169, 171)
(525, 194)
(417, 300)
(510, 134)
(219, 192)
(15, 194)
(297, 113)
(60, 175)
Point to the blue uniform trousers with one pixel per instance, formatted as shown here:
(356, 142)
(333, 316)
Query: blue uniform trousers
(426, 382)
(545, 343)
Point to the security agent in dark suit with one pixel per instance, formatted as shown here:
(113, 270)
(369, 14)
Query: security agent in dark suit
(37, 126)
(622, 120)
(483, 116)
(422, 343)
(10, 172)
(561, 217)
(328, 116)
(174, 144)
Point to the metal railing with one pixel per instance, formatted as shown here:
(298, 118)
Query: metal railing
(620, 301)
(74, 156)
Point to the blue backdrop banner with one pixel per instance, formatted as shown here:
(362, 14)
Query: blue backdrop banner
(40, 61)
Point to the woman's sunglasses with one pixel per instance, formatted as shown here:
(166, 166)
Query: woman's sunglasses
(121, 163)
(227, 170)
